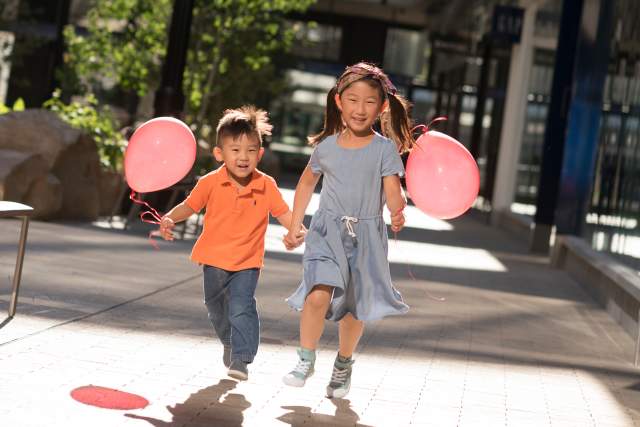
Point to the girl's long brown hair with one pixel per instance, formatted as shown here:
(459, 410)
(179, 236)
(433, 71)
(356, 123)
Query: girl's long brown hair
(395, 121)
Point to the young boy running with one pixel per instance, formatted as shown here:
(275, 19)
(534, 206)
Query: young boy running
(238, 200)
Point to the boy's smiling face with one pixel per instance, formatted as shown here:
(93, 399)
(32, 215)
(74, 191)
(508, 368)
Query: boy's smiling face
(240, 155)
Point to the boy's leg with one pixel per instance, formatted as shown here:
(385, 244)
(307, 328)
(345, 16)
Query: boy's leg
(216, 298)
(243, 314)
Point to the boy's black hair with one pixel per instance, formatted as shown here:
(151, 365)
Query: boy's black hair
(246, 120)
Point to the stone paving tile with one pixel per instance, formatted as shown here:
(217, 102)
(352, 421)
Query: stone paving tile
(520, 347)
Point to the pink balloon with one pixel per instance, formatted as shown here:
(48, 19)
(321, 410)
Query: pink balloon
(442, 177)
(159, 154)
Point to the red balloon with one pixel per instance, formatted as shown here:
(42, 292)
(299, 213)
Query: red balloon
(442, 177)
(159, 154)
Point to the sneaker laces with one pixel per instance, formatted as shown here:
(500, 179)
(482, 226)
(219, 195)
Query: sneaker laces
(339, 375)
(303, 366)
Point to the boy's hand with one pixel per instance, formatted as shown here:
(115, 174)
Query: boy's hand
(397, 221)
(166, 227)
(293, 240)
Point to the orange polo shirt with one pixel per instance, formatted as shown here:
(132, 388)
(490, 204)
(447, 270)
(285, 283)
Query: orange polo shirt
(235, 220)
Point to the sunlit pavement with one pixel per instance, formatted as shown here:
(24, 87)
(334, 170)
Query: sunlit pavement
(514, 343)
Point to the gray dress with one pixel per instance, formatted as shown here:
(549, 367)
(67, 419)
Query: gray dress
(346, 245)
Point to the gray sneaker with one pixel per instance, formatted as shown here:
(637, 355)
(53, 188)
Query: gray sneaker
(226, 356)
(303, 370)
(238, 370)
(340, 378)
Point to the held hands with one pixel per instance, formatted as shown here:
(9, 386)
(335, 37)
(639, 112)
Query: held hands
(397, 221)
(294, 239)
(166, 228)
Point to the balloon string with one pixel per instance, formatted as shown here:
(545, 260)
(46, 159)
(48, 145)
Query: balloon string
(156, 217)
(426, 128)
(410, 270)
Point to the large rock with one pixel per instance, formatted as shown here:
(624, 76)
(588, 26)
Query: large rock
(78, 169)
(18, 170)
(111, 185)
(45, 196)
(37, 131)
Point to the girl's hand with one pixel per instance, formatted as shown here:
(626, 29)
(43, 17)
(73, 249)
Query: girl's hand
(294, 239)
(166, 227)
(397, 221)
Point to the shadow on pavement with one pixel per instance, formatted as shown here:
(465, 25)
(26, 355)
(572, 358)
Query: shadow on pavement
(302, 415)
(207, 406)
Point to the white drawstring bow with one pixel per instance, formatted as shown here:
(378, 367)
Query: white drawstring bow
(348, 222)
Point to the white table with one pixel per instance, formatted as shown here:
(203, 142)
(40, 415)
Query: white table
(7, 210)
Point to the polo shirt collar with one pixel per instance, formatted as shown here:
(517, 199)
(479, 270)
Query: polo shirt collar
(256, 183)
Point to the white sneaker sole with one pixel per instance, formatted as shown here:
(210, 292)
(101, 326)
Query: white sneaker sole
(338, 393)
(238, 375)
(293, 381)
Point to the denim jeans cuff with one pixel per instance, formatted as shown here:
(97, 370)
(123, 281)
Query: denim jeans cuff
(245, 357)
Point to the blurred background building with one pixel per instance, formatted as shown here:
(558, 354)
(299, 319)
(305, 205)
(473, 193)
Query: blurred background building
(544, 93)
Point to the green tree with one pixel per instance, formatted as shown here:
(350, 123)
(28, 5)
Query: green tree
(124, 46)
(233, 44)
(230, 59)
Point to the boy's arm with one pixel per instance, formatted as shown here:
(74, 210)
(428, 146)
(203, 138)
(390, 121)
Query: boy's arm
(285, 219)
(396, 201)
(179, 213)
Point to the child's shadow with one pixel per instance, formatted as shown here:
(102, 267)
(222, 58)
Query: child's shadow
(205, 404)
(344, 415)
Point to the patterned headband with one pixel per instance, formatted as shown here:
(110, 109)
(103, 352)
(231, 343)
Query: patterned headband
(362, 71)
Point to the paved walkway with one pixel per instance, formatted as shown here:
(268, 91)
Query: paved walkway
(515, 343)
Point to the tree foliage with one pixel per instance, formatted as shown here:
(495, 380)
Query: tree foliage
(124, 46)
(233, 44)
(230, 60)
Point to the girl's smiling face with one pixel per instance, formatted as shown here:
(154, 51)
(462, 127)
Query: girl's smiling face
(360, 105)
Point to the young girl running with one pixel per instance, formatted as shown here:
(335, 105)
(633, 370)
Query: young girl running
(346, 273)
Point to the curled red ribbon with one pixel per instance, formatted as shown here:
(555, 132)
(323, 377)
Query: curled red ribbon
(156, 217)
(427, 127)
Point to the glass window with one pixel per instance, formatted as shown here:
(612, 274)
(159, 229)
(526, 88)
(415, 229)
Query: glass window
(404, 52)
(299, 113)
(316, 41)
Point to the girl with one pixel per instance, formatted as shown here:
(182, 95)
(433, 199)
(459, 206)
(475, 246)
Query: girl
(346, 273)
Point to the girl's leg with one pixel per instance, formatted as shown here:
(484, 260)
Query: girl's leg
(312, 319)
(311, 326)
(350, 330)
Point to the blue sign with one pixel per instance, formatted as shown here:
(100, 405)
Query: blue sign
(507, 23)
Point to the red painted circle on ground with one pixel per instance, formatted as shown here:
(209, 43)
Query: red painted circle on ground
(109, 398)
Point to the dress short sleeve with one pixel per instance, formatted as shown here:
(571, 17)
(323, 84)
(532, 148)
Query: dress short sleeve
(391, 161)
(314, 161)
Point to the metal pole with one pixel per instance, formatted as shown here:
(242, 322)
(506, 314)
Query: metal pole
(18, 271)
(169, 98)
(637, 358)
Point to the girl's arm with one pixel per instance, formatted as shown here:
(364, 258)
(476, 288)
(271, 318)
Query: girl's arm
(396, 201)
(179, 213)
(304, 191)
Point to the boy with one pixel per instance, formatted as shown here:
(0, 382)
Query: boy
(238, 200)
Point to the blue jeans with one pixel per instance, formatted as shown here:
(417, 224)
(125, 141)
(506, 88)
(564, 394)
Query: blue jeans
(229, 297)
